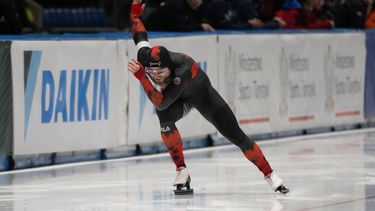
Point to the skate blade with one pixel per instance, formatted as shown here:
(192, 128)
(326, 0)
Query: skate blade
(184, 192)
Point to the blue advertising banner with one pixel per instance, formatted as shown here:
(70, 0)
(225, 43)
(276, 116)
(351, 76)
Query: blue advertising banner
(370, 75)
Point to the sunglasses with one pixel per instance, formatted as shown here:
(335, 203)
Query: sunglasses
(155, 70)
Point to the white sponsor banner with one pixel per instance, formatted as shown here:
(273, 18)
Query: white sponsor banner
(293, 81)
(68, 95)
(247, 79)
(324, 76)
(299, 72)
(144, 125)
(344, 77)
(321, 80)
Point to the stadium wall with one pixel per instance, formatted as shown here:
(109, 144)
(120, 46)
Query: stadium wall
(74, 100)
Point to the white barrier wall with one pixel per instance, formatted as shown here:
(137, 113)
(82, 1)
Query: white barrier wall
(346, 57)
(76, 95)
(293, 81)
(68, 95)
(144, 125)
(247, 67)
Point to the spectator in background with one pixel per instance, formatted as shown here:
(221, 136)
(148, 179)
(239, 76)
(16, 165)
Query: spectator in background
(9, 20)
(370, 21)
(302, 16)
(347, 13)
(228, 14)
(177, 15)
(297, 15)
(154, 3)
(118, 10)
(151, 6)
(268, 8)
(245, 10)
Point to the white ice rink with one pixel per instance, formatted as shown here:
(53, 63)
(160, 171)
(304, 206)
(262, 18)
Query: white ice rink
(333, 171)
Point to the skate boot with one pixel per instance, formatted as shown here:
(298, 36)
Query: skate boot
(276, 183)
(182, 182)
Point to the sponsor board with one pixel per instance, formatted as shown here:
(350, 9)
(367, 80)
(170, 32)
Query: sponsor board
(293, 81)
(246, 78)
(344, 58)
(68, 95)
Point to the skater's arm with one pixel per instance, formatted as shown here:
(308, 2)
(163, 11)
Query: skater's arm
(163, 100)
(153, 94)
(137, 28)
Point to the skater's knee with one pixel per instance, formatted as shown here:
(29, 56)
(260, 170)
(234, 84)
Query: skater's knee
(167, 123)
(246, 144)
(167, 127)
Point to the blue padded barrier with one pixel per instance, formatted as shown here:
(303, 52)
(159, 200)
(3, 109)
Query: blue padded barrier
(70, 157)
(4, 162)
(120, 152)
(319, 130)
(28, 161)
(370, 75)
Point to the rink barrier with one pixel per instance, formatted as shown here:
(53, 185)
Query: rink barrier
(120, 152)
(77, 156)
(370, 75)
(5, 162)
(68, 104)
(26, 161)
(6, 111)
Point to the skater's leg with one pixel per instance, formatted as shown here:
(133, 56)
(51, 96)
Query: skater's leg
(214, 109)
(225, 121)
(169, 133)
(172, 140)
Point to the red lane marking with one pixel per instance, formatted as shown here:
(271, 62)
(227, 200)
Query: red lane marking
(303, 151)
(347, 113)
(256, 120)
(301, 118)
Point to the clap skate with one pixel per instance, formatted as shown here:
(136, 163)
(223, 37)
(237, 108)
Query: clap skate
(182, 182)
(276, 183)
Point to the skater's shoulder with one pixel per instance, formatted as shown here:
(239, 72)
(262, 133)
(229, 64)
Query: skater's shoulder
(181, 58)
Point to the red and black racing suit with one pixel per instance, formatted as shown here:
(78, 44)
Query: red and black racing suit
(189, 87)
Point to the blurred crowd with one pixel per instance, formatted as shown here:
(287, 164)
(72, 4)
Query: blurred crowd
(20, 16)
(208, 15)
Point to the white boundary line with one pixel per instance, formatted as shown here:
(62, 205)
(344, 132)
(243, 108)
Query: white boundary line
(190, 151)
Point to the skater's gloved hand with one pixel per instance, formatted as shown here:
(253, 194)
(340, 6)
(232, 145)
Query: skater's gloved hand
(136, 9)
(137, 69)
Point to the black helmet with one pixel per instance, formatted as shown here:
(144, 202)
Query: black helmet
(158, 57)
